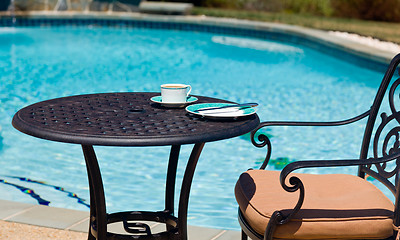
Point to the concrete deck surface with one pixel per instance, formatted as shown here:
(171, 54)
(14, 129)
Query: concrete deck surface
(19, 231)
(27, 221)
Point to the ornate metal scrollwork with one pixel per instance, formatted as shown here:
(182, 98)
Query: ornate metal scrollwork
(295, 183)
(391, 97)
(390, 145)
(391, 140)
(263, 141)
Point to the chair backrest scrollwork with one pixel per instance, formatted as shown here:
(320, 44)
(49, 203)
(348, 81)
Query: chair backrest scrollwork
(385, 135)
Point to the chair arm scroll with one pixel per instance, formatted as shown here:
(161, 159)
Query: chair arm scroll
(328, 163)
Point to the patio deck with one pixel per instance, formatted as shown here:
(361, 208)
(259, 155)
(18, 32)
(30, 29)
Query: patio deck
(28, 221)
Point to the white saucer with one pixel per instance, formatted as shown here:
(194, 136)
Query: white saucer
(157, 99)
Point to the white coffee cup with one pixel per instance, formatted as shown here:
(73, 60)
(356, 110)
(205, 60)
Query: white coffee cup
(175, 93)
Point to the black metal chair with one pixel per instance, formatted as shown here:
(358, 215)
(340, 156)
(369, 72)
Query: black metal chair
(288, 205)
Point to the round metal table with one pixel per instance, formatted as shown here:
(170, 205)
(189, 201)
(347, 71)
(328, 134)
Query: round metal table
(130, 119)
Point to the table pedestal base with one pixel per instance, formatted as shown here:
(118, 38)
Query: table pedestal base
(137, 230)
(176, 227)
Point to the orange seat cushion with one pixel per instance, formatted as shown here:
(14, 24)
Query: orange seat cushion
(336, 206)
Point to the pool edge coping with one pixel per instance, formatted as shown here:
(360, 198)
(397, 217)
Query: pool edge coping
(315, 35)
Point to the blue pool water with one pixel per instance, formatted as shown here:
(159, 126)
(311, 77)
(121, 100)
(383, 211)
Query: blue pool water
(290, 82)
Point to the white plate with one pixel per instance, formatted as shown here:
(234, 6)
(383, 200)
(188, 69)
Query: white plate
(220, 113)
(157, 99)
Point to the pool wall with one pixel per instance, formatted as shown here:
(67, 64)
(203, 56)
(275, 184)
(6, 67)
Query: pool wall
(347, 50)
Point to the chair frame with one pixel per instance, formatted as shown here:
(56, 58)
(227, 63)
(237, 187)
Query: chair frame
(364, 163)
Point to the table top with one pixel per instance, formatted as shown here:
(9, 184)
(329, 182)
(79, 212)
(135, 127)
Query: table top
(124, 119)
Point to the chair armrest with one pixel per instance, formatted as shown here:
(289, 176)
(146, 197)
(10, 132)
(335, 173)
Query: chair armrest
(264, 140)
(299, 123)
(330, 123)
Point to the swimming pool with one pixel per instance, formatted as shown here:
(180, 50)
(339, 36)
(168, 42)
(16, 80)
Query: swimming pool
(289, 81)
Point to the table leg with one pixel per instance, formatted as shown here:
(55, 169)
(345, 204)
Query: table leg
(185, 189)
(171, 177)
(92, 209)
(97, 199)
(170, 183)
